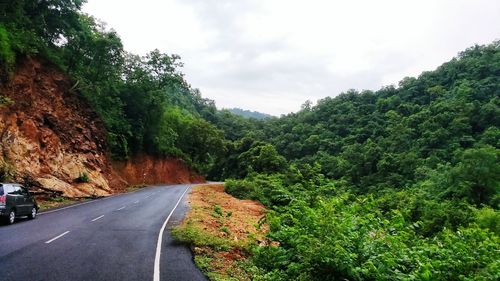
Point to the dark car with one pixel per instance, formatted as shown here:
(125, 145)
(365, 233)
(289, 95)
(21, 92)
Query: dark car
(16, 201)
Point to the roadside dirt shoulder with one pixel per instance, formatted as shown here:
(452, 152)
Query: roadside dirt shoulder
(221, 229)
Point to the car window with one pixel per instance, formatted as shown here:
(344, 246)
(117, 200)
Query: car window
(17, 189)
(9, 189)
(1, 190)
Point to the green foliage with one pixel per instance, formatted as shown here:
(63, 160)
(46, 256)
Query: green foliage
(194, 236)
(325, 233)
(217, 211)
(262, 158)
(7, 171)
(398, 184)
(476, 176)
(7, 55)
(247, 156)
(240, 188)
(37, 27)
(488, 218)
(389, 137)
(83, 178)
(5, 101)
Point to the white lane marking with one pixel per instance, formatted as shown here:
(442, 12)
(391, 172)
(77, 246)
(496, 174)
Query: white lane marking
(136, 202)
(156, 276)
(100, 217)
(121, 208)
(57, 237)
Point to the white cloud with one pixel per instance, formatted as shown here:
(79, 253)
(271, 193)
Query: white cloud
(272, 55)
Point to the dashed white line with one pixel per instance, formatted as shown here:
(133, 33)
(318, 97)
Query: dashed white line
(156, 275)
(120, 208)
(100, 217)
(57, 237)
(136, 202)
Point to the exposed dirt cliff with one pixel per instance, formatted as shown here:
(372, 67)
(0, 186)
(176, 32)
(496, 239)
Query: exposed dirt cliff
(50, 135)
(152, 170)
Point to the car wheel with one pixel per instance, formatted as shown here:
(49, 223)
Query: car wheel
(33, 213)
(12, 217)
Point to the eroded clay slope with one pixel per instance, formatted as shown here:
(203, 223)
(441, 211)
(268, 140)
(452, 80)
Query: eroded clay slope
(146, 169)
(51, 135)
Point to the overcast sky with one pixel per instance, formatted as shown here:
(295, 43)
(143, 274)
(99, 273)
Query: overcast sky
(273, 55)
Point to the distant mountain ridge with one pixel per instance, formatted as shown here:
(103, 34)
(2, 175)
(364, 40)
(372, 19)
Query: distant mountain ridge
(249, 114)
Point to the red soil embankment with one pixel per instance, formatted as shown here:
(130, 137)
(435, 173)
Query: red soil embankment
(51, 135)
(146, 169)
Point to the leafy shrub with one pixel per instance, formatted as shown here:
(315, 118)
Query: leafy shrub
(7, 171)
(5, 101)
(241, 189)
(7, 55)
(83, 178)
(434, 215)
(217, 211)
(341, 239)
(488, 218)
(321, 232)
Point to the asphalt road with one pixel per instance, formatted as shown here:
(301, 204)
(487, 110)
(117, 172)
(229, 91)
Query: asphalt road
(113, 238)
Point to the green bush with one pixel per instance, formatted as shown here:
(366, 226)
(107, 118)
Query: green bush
(5, 101)
(488, 218)
(341, 239)
(241, 189)
(83, 178)
(7, 55)
(325, 233)
(218, 211)
(7, 171)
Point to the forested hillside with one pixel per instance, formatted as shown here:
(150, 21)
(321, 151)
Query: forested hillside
(144, 101)
(249, 114)
(399, 183)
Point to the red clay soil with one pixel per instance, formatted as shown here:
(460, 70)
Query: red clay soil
(51, 134)
(146, 169)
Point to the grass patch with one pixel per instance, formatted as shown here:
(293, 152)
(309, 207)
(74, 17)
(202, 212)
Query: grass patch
(56, 202)
(192, 233)
(133, 188)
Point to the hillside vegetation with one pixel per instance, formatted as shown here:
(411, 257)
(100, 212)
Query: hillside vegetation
(399, 183)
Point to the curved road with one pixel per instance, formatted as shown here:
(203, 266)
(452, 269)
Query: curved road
(113, 238)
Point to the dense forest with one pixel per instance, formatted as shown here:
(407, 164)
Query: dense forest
(399, 183)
